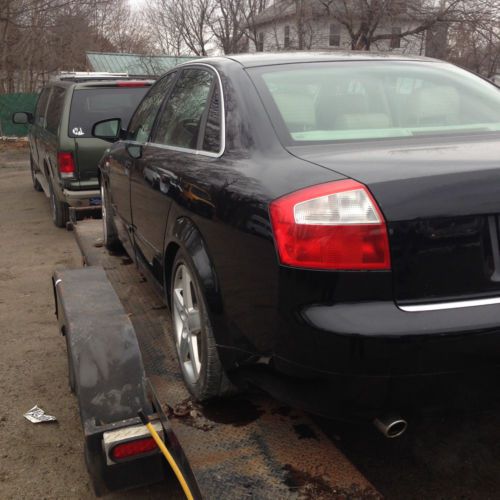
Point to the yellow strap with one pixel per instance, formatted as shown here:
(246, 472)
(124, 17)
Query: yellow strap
(170, 460)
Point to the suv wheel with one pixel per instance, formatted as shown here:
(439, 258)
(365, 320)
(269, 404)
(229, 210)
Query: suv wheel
(36, 185)
(58, 209)
(199, 360)
(110, 237)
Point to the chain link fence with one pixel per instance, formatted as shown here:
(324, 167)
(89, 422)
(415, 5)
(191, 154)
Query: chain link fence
(10, 103)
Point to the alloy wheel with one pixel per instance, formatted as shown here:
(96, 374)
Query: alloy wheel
(187, 323)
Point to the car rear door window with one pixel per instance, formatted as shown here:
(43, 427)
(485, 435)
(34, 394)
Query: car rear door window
(212, 138)
(144, 117)
(181, 119)
(91, 105)
(55, 108)
(41, 107)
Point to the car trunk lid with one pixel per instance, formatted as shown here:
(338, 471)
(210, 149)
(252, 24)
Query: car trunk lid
(441, 201)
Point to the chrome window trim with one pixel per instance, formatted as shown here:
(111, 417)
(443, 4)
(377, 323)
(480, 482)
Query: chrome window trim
(451, 305)
(200, 152)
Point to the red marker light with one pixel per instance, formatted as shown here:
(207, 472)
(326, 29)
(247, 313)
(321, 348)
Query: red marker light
(132, 448)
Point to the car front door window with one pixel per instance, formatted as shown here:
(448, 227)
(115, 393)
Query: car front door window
(181, 119)
(144, 117)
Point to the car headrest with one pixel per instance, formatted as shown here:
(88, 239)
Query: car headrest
(359, 121)
(435, 106)
(330, 107)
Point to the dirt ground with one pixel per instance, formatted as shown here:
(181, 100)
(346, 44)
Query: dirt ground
(457, 456)
(44, 460)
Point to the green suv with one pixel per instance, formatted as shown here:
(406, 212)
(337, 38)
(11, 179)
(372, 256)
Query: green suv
(63, 153)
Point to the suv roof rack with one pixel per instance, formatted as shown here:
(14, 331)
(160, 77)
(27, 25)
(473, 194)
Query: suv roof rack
(81, 76)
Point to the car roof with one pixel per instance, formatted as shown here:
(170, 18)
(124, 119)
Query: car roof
(273, 58)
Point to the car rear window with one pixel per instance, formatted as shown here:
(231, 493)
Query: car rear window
(338, 101)
(89, 106)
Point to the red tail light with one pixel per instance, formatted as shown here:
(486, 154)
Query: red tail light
(131, 83)
(66, 164)
(132, 448)
(336, 225)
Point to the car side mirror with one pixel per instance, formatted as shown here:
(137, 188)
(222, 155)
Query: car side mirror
(134, 150)
(108, 130)
(22, 118)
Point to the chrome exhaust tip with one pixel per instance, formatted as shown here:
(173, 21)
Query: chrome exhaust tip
(391, 426)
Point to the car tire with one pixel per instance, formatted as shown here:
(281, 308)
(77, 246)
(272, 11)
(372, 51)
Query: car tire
(199, 361)
(110, 235)
(59, 209)
(36, 185)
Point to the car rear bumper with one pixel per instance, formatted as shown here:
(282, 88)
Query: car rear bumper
(379, 338)
(367, 357)
(367, 397)
(80, 198)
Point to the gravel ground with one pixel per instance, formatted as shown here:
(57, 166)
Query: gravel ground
(455, 456)
(43, 460)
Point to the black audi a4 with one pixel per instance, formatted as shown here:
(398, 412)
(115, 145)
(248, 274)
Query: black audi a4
(325, 226)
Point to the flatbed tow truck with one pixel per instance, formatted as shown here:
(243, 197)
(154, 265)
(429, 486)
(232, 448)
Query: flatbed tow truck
(122, 360)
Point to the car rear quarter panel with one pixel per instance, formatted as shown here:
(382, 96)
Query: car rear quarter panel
(253, 170)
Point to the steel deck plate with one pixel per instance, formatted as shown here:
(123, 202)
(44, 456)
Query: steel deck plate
(247, 447)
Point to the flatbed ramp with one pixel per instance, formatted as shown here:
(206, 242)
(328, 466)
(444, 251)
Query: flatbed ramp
(247, 447)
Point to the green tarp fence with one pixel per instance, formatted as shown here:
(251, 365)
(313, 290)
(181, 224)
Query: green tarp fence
(10, 103)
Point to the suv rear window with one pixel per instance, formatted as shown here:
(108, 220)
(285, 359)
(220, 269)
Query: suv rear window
(89, 106)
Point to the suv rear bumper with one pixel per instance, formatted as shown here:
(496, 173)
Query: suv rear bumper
(80, 198)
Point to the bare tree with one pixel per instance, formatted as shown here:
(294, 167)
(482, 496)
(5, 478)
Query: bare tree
(181, 25)
(474, 37)
(227, 23)
(160, 23)
(40, 37)
(253, 8)
(367, 20)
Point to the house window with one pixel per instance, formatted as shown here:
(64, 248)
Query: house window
(334, 35)
(260, 42)
(287, 37)
(396, 39)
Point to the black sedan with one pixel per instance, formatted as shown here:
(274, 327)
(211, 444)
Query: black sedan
(325, 226)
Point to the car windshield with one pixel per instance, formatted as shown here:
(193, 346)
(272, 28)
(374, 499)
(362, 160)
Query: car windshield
(89, 106)
(338, 101)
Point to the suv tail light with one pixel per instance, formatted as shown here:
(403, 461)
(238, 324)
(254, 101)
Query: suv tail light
(66, 164)
(336, 225)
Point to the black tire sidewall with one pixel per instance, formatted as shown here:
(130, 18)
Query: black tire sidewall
(58, 209)
(110, 237)
(36, 185)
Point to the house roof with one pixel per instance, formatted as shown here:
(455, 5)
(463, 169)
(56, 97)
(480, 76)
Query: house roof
(133, 64)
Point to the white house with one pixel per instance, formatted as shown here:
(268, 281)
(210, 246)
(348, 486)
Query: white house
(292, 25)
